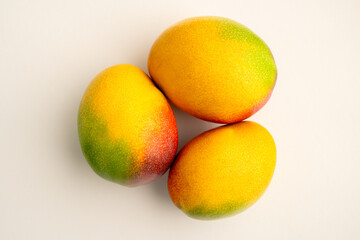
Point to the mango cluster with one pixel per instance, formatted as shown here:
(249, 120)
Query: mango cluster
(212, 68)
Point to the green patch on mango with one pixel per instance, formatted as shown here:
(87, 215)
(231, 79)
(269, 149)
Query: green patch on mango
(255, 51)
(205, 213)
(110, 159)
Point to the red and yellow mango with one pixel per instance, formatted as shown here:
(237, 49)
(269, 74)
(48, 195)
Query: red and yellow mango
(127, 129)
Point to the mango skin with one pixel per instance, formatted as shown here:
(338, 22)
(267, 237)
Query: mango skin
(223, 171)
(127, 129)
(213, 68)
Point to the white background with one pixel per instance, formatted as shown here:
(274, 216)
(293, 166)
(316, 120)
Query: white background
(51, 50)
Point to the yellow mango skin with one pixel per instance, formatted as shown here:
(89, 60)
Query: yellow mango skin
(223, 171)
(127, 129)
(213, 68)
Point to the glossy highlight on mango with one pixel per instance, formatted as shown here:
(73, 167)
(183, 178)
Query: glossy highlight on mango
(223, 171)
(213, 68)
(127, 129)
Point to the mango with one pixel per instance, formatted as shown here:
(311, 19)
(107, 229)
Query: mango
(223, 171)
(127, 129)
(213, 68)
